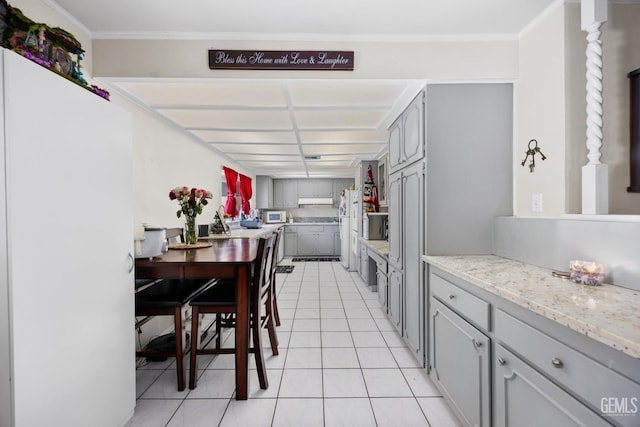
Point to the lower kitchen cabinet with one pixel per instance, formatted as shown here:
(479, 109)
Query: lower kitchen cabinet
(394, 297)
(523, 397)
(502, 365)
(311, 240)
(461, 365)
(364, 263)
(290, 242)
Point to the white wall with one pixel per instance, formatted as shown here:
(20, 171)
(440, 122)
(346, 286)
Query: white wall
(164, 158)
(540, 106)
(551, 92)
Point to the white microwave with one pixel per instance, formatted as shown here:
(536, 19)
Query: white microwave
(272, 217)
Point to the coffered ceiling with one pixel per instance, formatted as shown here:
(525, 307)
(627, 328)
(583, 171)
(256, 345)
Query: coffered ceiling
(290, 127)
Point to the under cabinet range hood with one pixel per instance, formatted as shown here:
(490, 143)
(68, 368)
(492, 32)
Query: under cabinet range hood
(315, 201)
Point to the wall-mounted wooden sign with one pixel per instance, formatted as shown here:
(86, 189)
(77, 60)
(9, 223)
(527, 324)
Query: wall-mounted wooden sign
(281, 60)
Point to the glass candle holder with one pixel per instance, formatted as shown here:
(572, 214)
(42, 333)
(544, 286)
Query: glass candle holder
(587, 272)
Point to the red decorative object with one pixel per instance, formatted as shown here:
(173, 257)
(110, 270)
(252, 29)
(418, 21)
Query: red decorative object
(245, 192)
(231, 177)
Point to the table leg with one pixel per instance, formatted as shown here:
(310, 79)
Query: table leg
(242, 332)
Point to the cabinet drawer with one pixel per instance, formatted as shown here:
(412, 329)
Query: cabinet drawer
(576, 372)
(461, 301)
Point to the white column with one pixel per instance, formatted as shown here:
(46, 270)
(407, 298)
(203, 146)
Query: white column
(595, 174)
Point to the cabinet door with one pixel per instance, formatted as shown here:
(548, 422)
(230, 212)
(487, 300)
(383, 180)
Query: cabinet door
(324, 243)
(395, 141)
(413, 131)
(324, 188)
(290, 244)
(395, 219)
(291, 193)
(460, 365)
(307, 243)
(394, 291)
(412, 250)
(382, 289)
(364, 264)
(523, 397)
(279, 193)
(306, 188)
(337, 243)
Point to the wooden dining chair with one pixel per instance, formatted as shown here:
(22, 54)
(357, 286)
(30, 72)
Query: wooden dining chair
(167, 298)
(221, 299)
(274, 266)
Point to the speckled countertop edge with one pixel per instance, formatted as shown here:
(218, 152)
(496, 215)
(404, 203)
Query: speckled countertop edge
(379, 246)
(608, 314)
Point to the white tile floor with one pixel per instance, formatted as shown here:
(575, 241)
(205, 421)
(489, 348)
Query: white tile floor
(341, 363)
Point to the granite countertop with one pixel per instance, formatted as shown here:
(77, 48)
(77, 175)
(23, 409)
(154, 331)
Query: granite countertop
(244, 233)
(380, 246)
(314, 223)
(608, 314)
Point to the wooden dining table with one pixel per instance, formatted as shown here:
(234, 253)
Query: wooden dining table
(229, 258)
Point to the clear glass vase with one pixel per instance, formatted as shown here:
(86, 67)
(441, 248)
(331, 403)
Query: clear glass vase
(190, 231)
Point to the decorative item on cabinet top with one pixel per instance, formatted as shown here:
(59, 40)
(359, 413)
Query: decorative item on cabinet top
(52, 48)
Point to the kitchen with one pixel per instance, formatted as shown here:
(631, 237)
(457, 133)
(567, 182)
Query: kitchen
(160, 149)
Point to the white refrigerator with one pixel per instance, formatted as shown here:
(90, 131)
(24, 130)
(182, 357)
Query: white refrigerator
(347, 255)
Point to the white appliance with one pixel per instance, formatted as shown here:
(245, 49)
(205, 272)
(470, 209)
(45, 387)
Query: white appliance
(374, 225)
(273, 217)
(347, 255)
(315, 201)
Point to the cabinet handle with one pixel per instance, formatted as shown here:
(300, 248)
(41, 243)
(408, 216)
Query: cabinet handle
(501, 361)
(451, 296)
(557, 363)
(477, 343)
(131, 263)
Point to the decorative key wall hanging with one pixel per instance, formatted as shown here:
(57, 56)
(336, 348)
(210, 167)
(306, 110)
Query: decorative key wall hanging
(532, 151)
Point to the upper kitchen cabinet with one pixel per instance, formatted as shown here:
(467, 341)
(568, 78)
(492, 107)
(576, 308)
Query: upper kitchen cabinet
(315, 188)
(406, 135)
(285, 193)
(264, 192)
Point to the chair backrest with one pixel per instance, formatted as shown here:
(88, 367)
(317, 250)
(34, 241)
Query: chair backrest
(276, 247)
(262, 273)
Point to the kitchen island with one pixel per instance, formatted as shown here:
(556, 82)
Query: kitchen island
(244, 233)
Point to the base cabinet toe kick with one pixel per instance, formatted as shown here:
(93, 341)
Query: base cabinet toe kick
(500, 364)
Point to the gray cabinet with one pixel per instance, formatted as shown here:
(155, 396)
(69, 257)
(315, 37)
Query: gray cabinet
(315, 187)
(395, 218)
(394, 296)
(461, 365)
(412, 207)
(540, 373)
(264, 192)
(469, 138)
(311, 240)
(364, 263)
(285, 193)
(406, 247)
(290, 242)
(524, 397)
(406, 136)
(337, 243)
